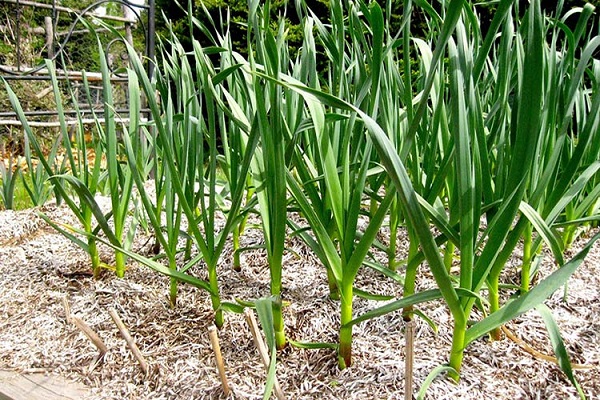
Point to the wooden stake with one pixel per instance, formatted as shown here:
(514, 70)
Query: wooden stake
(409, 361)
(67, 308)
(129, 340)
(89, 332)
(214, 341)
(49, 36)
(262, 348)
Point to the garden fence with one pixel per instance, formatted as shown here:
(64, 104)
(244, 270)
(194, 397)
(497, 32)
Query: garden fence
(32, 32)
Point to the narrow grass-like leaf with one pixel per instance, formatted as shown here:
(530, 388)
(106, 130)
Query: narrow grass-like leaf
(544, 230)
(559, 347)
(531, 299)
(264, 309)
(88, 198)
(313, 346)
(437, 371)
(65, 230)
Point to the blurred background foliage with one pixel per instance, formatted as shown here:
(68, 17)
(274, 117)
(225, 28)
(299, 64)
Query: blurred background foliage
(175, 12)
(238, 10)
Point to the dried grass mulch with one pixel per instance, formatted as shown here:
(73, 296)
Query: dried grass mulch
(38, 268)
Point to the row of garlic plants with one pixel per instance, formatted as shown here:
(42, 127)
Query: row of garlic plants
(490, 138)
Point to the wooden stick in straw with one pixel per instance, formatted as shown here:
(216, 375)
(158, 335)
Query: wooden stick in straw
(129, 340)
(65, 302)
(262, 348)
(89, 332)
(538, 354)
(214, 341)
(408, 362)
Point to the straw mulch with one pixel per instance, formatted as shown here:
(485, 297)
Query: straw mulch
(39, 268)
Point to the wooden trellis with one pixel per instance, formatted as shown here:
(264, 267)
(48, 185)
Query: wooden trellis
(12, 25)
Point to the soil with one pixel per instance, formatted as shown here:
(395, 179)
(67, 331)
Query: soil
(40, 269)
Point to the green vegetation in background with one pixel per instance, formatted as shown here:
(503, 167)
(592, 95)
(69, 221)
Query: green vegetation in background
(237, 12)
(21, 199)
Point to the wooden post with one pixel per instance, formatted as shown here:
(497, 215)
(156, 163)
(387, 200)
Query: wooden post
(127, 13)
(18, 35)
(214, 341)
(91, 334)
(49, 36)
(262, 349)
(129, 340)
(409, 361)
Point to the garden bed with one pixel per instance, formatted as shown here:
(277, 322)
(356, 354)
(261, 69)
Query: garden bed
(39, 268)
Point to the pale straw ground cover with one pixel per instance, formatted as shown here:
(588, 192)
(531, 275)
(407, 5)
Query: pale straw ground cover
(39, 267)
